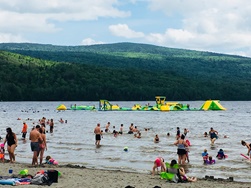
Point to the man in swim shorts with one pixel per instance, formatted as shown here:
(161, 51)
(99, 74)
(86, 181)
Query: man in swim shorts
(35, 137)
(98, 133)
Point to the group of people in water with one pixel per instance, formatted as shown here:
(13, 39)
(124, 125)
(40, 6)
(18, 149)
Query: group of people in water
(182, 152)
(37, 137)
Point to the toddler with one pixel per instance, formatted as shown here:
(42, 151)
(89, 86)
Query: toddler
(2, 152)
(50, 160)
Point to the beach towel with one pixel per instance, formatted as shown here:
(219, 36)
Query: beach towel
(40, 179)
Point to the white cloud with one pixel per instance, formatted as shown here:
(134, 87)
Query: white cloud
(122, 30)
(90, 41)
(63, 10)
(207, 25)
(6, 38)
(42, 16)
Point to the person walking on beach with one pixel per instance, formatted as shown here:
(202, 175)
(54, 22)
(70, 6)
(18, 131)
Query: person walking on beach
(181, 151)
(213, 135)
(11, 140)
(35, 138)
(98, 133)
(24, 130)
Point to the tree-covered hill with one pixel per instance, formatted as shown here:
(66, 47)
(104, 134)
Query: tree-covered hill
(122, 71)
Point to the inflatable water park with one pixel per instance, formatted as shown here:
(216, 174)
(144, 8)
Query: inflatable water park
(160, 105)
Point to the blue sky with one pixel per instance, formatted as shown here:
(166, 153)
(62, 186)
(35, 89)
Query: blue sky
(218, 26)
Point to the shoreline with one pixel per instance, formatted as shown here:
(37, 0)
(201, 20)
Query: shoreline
(80, 176)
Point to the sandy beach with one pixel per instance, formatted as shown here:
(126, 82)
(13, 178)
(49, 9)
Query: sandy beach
(76, 176)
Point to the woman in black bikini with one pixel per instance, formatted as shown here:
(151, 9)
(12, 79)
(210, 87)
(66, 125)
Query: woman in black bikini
(11, 140)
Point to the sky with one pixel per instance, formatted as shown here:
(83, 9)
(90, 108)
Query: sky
(222, 26)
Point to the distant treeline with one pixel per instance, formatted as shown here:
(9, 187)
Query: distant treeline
(122, 71)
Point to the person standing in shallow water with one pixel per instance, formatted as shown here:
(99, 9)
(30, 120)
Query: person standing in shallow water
(35, 138)
(213, 135)
(51, 126)
(98, 133)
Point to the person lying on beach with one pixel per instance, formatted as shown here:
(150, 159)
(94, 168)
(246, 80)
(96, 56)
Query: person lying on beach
(159, 162)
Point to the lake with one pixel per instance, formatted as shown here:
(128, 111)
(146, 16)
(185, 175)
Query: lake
(74, 142)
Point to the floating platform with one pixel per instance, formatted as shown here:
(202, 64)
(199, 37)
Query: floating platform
(161, 105)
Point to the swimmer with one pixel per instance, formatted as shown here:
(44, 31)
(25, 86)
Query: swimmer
(61, 120)
(107, 127)
(205, 134)
(156, 139)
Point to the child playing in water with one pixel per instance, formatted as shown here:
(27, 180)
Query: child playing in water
(210, 160)
(205, 155)
(221, 154)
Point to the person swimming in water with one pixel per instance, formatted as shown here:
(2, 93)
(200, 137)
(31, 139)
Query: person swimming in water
(156, 138)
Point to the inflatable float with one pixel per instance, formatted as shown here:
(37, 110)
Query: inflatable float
(75, 107)
(161, 105)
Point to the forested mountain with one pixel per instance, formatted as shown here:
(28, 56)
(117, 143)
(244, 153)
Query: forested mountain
(122, 71)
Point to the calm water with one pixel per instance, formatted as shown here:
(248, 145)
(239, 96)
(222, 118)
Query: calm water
(74, 142)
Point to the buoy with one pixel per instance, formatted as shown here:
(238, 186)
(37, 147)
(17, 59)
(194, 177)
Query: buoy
(125, 148)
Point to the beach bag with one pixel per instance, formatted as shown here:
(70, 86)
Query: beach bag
(53, 176)
(40, 179)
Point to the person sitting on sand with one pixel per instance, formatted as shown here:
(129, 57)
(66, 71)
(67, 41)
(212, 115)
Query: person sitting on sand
(159, 162)
(156, 138)
(185, 177)
(181, 176)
